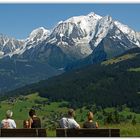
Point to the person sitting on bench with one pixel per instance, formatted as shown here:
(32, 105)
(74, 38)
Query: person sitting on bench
(69, 122)
(26, 124)
(8, 122)
(89, 123)
(34, 121)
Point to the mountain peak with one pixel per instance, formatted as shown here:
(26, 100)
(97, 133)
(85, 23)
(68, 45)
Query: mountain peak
(94, 15)
(38, 33)
(90, 16)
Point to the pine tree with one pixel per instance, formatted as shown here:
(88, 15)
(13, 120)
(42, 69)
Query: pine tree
(134, 120)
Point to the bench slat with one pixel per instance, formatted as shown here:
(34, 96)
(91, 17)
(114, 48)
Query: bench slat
(85, 132)
(115, 132)
(23, 133)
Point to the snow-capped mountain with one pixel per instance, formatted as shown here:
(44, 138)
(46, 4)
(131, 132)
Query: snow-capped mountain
(36, 36)
(9, 45)
(79, 40)
(73, 35)
(76, 38)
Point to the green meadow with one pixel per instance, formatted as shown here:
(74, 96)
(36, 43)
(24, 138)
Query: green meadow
(51, 112)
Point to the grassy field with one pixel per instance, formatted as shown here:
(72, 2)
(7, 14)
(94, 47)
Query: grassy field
(50, 113)
(134, 69)
(21, 106)
(119, 59)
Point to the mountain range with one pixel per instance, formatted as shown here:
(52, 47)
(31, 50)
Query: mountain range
(75, 42)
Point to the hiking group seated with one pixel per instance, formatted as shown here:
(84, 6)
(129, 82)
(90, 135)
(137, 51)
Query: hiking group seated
(69, 121)
(32, 122)
(35, 122)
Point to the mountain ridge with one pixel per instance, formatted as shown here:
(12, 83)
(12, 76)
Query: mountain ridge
(80, 29)
(76, 42)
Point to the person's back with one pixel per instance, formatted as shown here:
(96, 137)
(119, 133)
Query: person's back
(89, 123)
(36, 122)
(8, 122)
(63, 122)
(69, 122)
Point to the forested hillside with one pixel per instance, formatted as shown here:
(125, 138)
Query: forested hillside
(111, 83)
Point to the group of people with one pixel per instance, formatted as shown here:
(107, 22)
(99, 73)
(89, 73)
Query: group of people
(35, 122)
(69, 121)
(32, 122)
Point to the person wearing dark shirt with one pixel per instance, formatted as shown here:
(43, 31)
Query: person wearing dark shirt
(34, 121)
(89, 123)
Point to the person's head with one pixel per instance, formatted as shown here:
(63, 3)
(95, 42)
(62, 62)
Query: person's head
(9, 113)
(90, 116)
(26, 124)
(71, 113)
(32, 112)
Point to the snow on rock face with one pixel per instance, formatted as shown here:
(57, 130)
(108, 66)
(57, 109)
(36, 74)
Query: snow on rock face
(124, 28)
(9, 45)
(131, 34)
(38, 33)
(77, 28)
(36, 36)
(104, 25)
(76, 36)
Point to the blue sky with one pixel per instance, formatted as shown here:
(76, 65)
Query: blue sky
(18, 20)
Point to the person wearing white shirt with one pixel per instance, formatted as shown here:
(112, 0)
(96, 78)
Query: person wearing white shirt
(69, 122)
(8, 122)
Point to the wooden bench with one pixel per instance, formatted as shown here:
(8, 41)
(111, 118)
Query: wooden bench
(34, 132)
(87, 132)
